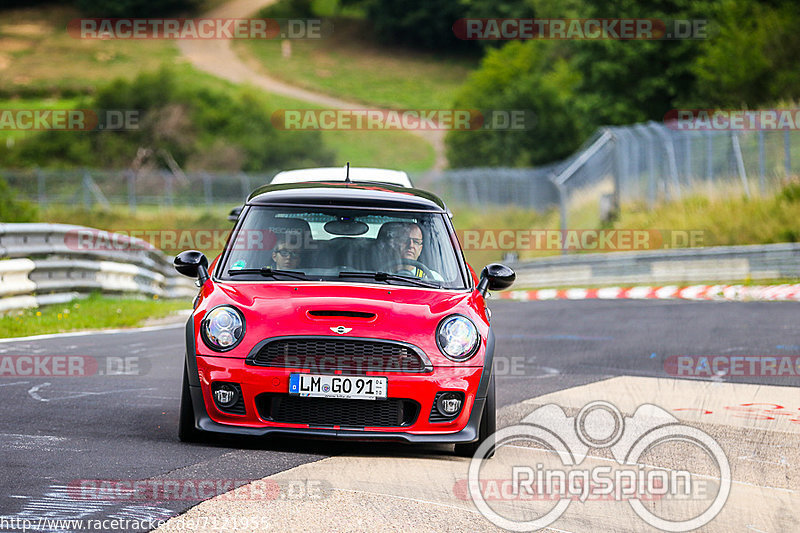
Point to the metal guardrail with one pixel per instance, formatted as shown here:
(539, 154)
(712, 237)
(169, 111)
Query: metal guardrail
(43, 264)
(722, 263)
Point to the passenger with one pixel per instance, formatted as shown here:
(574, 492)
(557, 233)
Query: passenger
(286, 254)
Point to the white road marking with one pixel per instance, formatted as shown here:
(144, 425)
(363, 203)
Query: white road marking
(15, 383)
(93, 332)
(34, 392)
(91, 393)
(51, 438)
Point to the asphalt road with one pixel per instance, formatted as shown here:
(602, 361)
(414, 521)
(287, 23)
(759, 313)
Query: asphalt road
(59, 433)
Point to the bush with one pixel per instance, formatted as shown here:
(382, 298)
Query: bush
(13, 210)
(199, 127)
(520, 76)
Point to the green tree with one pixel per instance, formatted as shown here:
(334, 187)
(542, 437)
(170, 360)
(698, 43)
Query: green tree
(627, 81)
(528, 76)
(752, 60)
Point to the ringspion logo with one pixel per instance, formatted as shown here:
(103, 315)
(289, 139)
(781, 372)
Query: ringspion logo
(566, 479)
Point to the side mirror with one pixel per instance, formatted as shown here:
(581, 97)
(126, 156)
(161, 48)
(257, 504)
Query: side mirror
(233, 216)
(193, 264)
(495, 277)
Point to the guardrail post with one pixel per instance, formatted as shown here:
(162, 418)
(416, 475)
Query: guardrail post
(207, 188)
(87, 198)
(737, 152)
(787, 145)
(619, 163)
(563, 199)
(41, 188)
(687, 159)
(762, 183)
(131, 177)
(168, 184)
(651, 168)
(245, 181)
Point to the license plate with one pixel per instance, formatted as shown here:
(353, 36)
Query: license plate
(327, 386)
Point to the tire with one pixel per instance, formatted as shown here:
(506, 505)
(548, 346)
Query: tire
(487, 427)
(187, 432)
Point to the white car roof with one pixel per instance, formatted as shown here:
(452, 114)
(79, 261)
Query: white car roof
(357, 174)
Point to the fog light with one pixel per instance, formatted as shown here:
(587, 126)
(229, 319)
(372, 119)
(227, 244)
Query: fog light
(225, 394)
(449, 404)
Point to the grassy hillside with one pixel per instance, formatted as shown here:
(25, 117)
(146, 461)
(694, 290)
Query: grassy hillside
(348, 64)
(41, 66)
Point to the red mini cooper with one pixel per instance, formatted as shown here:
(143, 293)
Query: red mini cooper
(345, 310)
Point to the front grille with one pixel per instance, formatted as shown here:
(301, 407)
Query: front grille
(327, 412)
(324, 354)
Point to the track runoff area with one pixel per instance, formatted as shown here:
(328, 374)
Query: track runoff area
(674, 444)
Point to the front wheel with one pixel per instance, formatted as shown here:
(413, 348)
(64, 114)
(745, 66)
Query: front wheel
(187, 432)
(487, 427)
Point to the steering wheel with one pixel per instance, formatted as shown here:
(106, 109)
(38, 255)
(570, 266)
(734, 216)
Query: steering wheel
(425, 270)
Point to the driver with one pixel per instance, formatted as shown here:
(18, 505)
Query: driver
(408, 243)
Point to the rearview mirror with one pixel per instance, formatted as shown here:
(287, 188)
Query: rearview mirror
(495, 277)
(193, 264)
(233, 216)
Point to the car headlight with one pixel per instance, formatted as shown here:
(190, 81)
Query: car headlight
(222, 328)
(457, 337)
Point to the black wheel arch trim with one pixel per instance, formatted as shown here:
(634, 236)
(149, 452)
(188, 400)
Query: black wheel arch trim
(191, 354)
(488, 366)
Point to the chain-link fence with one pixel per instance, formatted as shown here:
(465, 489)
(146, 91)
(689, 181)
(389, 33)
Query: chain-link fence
(89, 187)
(645, 163)
(641, 163)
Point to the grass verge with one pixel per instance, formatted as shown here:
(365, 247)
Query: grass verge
(94, 312)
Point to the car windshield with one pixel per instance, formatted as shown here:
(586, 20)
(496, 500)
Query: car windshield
(345, 245)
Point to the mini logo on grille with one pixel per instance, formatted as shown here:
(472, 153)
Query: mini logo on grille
(341, 330)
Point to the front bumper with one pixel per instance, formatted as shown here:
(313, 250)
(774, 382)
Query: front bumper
(420, 387)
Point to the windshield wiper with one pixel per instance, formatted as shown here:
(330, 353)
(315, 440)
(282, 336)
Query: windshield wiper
(269, 272)
(385, 276)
